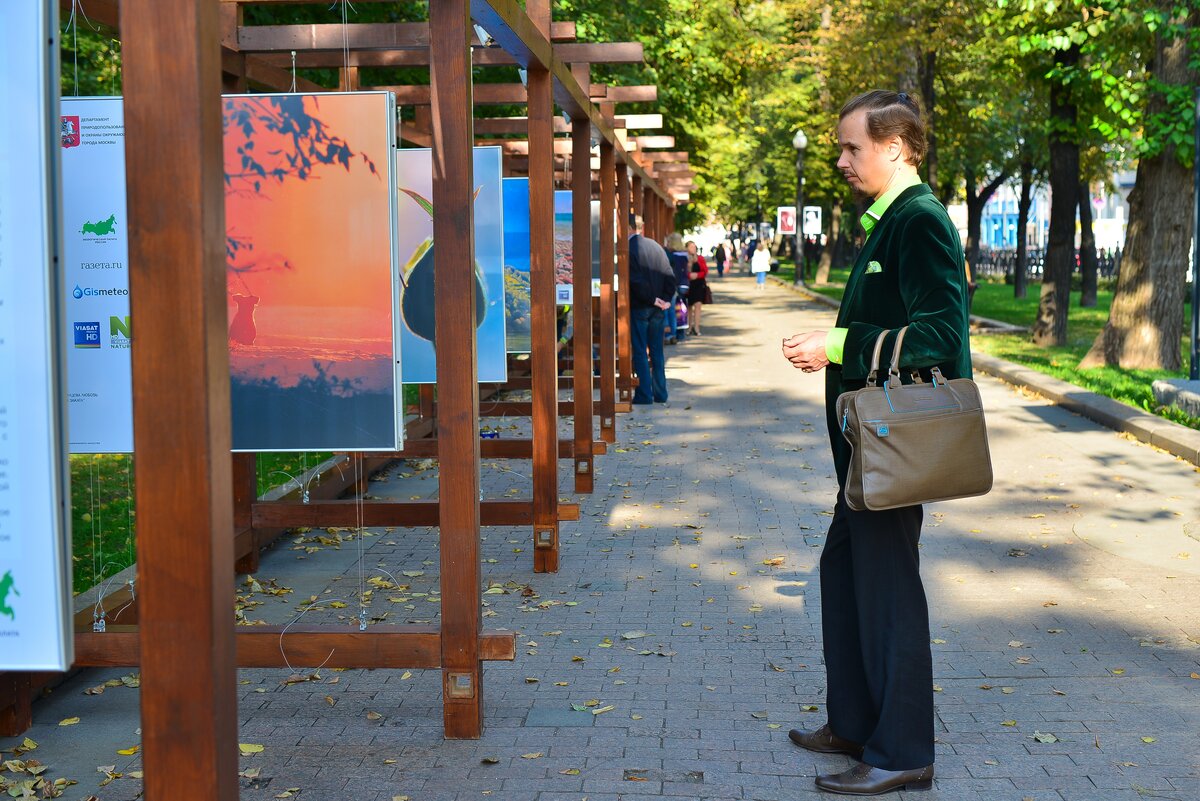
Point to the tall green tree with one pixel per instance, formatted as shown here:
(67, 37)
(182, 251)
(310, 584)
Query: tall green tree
(1145, 324)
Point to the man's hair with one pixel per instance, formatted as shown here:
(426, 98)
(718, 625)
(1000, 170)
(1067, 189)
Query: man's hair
(636, 222)
(892, 114)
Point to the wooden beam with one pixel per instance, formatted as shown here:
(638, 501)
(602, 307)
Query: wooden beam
(406, 514)
(543, 318)
(457, 367)
(607, 178)
(645, 142)
(382, 645)
(627, 94)
(356, 36)
(176, 210)
(581, 308)
(624, 343)
(503, 448)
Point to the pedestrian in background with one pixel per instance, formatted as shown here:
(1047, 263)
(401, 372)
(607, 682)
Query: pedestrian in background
(720, 256)
(698, 291)
(760, 264)
(651, 287)
(679, 264)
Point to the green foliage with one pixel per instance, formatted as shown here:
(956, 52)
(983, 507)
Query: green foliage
(995, 301)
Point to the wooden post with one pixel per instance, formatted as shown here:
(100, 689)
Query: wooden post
(232, 16)
(543, 324)
(245, 493)
(608, 321)
(624, 346)
(176, 213)
(457, 368)
(581, 309)
(639, 206)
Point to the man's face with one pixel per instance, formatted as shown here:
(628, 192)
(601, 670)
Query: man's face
(867, 166)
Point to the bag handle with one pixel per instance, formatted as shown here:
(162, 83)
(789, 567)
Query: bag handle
(872, 376)
(894, 367)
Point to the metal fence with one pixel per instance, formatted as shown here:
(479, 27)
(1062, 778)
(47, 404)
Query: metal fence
(1003, 262)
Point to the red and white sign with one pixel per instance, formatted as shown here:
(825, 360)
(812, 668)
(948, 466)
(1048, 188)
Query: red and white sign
(785, 220)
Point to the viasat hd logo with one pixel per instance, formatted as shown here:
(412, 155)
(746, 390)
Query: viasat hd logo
(87, 335)
(69, 132)
(7, 588)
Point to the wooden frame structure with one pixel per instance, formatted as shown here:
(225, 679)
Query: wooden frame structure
(178, 58)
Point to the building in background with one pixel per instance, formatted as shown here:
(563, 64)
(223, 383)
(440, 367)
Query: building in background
(1110, 214)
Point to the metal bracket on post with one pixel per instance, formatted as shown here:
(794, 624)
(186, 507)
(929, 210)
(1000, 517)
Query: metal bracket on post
(545, 538)
(460, 685)
(582, 467)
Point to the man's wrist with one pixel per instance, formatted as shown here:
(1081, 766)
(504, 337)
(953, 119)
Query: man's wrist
(835, 344)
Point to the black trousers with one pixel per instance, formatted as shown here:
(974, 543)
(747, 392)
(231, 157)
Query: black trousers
(875, 625)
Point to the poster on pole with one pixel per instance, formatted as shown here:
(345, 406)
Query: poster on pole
(812, 220)
(97, 325)
(311, 271)
(785, 220)
(516, 265)
(564, 253)
(414, 176)
(35, 537)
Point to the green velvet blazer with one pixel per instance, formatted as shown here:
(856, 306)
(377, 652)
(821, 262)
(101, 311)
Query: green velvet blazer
(920, 282)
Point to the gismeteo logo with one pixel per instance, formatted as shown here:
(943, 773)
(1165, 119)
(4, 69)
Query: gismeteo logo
(80, 292)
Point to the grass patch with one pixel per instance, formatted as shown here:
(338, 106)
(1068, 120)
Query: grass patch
(995, 301)
(103, 522)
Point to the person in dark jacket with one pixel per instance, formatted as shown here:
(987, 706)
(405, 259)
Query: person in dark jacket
(651, 290)
(875, 618)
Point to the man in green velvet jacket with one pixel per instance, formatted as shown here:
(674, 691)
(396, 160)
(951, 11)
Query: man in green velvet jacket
(875, 619)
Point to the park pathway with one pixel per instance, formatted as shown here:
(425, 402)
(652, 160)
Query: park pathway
(680, 640)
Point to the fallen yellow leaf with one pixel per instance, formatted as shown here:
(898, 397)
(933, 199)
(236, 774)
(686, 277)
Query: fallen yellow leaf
(534, 755)
(68, 721)
(250, 748)
(130, 751)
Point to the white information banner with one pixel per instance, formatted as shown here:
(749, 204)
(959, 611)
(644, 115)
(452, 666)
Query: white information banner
(34, 526)
(96, 322)
(812, 220)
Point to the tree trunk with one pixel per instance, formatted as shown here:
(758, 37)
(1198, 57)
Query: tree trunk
(927, 70)
(831, 245)
(1089, 266)
(976, 200)
(1145, 325)
(1021, 271)
(1051, 325)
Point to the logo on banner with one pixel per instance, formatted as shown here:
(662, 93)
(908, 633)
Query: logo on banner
(80, 292)
(69, 132)
(102, 228)
(7, 588)
(118, 332)
(87, 335)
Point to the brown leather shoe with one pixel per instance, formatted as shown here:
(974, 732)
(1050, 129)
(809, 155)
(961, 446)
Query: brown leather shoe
(824, 741)
(863, 779)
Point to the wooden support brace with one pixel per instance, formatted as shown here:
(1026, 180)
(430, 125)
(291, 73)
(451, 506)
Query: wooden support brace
(382, 645)
(398, 514)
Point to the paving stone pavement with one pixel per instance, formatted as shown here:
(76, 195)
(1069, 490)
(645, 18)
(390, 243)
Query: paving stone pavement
(1066, 631)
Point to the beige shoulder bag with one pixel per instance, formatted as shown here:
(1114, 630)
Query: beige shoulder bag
(913, 443)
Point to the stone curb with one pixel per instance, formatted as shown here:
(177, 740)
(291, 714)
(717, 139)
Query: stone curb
(1151, 429)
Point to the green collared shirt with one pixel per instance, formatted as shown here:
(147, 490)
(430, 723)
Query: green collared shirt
(835, 340)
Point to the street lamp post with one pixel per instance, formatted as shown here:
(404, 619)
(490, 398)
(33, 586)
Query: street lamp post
(800, 142)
